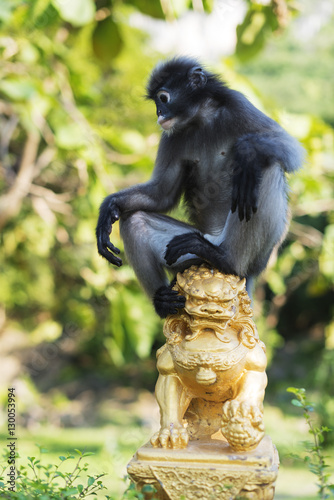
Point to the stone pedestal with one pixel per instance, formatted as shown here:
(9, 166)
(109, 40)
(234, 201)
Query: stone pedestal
(207, 469)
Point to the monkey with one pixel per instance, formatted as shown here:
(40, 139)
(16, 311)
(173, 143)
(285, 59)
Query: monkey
(227, 161)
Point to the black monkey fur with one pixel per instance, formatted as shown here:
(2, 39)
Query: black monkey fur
(228, 160)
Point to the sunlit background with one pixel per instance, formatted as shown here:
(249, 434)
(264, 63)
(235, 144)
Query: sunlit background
(77, 336)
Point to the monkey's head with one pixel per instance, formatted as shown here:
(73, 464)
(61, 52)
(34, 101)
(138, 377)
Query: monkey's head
(179, 88)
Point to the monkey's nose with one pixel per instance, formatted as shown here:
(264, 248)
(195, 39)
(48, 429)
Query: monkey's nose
(159, 112)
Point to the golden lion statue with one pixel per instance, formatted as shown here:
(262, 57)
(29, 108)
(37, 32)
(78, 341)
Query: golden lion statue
(212, 367)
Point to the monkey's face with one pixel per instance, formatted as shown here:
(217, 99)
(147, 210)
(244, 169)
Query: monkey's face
(166, 118)
(178, 90)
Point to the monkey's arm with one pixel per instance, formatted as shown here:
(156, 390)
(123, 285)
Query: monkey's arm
(196, 244)
(159, 194)
(252, 154)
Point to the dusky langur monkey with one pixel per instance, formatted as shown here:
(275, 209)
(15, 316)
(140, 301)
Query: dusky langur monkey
(228, 162)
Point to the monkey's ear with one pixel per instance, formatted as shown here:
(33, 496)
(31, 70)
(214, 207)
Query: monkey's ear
(197, 78)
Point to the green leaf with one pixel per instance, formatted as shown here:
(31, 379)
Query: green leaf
(294, 390)
(70, 136)
(88, 454)
(91, 480)
(18, 90)
(80, 488)
(295, 402)
(78, 452)
(62, 458)
(6, 9)
(252, 33)
(152, 8)
(208, 5)
(71, 491)
(76, 12)
(107, 40)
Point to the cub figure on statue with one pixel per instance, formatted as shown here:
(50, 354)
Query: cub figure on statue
(228, 160)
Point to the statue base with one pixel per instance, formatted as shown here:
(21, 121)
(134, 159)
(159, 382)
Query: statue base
(207, 468)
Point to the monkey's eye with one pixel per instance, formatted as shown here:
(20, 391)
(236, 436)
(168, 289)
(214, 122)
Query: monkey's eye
(163, 96)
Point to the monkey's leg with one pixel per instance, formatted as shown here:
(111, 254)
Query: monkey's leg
(145, 237)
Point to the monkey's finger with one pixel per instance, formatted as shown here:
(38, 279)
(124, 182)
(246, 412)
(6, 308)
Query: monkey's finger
(183, 244)
(167, 293)
(255, 197)
(182, 238)
(170, 259)
(177, 246)
(235, 194)
(110, 257)
(241, 212)
(179, 303)
(250, 209)
(112, 248)
(107, 250)
(253, 200)
(183, 241)
(247, 211)
(241, 189)
(171, 255)
(114, 260)
(245, 189)
(174, 301)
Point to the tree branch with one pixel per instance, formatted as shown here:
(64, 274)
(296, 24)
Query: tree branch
(10, 203)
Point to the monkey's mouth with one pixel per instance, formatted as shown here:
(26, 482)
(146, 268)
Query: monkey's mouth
(166, 124)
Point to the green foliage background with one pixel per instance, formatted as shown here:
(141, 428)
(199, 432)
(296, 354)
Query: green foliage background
(75, 127)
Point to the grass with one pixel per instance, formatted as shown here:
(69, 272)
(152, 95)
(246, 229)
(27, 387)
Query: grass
(113, 446)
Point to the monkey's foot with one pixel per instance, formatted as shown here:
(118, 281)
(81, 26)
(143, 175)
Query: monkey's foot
(167, 301)
(173, 437)
(185, 243)
(242, 425)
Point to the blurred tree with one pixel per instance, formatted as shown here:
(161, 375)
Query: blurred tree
(74, 127)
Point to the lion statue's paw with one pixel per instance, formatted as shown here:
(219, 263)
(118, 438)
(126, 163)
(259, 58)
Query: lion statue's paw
(170, 437)
(242, 425)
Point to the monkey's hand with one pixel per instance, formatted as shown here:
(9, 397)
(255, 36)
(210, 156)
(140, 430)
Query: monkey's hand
(195, 243)
(245, 190)
(109, 213)
(167, 301)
